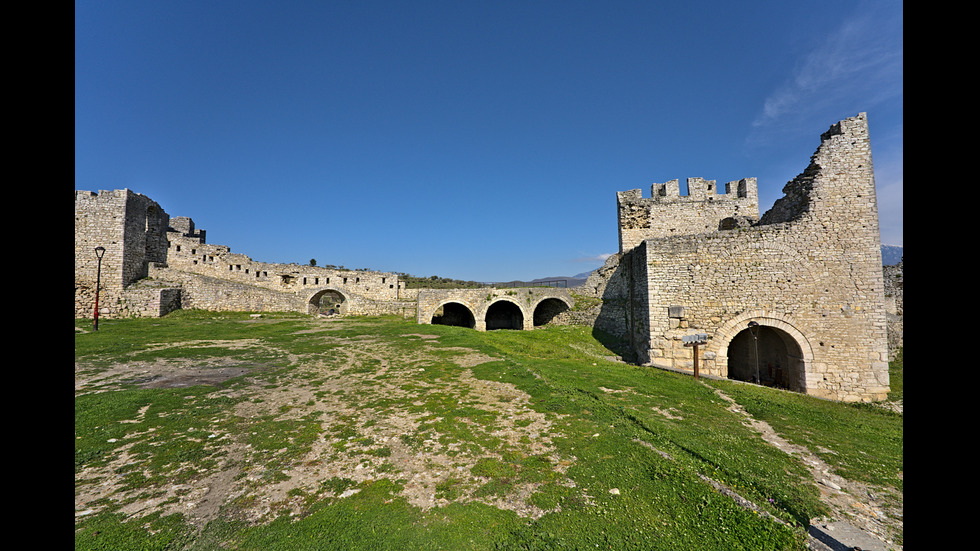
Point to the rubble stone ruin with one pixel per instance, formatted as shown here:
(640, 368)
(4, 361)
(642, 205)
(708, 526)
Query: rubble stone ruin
(793, 298)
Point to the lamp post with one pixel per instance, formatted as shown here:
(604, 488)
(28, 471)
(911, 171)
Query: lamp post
(99, 251)
(754, 331)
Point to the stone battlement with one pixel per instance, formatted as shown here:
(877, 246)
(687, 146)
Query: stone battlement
(667, 213)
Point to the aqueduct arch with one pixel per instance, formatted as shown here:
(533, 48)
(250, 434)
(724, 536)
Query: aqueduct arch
(453, 313)
(764, 348)
(492, 308)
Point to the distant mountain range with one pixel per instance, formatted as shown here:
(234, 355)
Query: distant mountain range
(890, 255)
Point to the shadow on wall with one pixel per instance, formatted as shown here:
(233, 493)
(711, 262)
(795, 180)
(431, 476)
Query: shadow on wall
(612, 324)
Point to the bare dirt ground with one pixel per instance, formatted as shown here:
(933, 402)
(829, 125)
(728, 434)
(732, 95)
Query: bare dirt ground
(421, 465)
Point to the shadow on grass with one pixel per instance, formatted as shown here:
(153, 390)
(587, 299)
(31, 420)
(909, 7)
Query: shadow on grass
(617, 345)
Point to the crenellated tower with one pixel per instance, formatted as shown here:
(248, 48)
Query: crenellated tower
(667, 213)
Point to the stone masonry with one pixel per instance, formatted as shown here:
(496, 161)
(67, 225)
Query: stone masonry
(493, 308)
(155, 264)
(793, 298)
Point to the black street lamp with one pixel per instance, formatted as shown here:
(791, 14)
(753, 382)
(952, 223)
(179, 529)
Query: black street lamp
(99, 251)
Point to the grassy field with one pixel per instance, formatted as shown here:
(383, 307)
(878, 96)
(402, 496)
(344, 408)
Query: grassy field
(223, 431)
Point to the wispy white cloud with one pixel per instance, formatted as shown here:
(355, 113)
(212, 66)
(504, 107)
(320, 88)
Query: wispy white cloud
(858, 65)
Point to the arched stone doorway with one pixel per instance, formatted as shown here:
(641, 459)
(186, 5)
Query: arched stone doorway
(547, 309)
(454, 313)
(768, 356)
(504, 314)
(329, 302)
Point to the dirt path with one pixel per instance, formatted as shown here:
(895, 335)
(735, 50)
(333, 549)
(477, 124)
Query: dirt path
(859, 516)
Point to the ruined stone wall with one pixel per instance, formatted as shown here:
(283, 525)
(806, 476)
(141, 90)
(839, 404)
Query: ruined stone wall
(611, 285)
(810, 271)
(142, 241)
(667, 213)
(189, 252)
(203, 292)
(894, 277)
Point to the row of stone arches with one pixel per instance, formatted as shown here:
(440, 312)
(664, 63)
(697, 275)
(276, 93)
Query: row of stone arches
(500, 314)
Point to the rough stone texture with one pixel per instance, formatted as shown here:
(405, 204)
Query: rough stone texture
(155, 264)
(808, 272)
(666, 212)
(894, 277)
(519, 307)
(132, 228)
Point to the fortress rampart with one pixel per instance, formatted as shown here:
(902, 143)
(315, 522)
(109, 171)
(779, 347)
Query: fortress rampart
(793, 298)
(154, 264)
(807, 276)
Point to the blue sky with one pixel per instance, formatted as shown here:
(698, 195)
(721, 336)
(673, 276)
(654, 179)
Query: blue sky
(481, 140)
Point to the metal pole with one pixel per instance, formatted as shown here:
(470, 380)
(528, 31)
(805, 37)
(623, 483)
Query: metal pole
(99, 251)
(754, 331)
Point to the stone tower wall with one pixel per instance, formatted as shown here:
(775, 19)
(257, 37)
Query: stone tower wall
(142, 241)
(810, 268)
(131, 227)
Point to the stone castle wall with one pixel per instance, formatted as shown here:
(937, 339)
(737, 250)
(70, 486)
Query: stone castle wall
(184, 271)
(533, 303)
(804, 279)
(132, 228)
(809, 271)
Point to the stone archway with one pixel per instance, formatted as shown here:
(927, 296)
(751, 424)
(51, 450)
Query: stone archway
(328, 302)
(768, 356)
(454, 313)
(547, 310)
(784, 359)
(504, 314)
